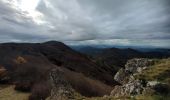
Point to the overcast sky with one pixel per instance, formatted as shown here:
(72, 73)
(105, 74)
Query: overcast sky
(117, 22)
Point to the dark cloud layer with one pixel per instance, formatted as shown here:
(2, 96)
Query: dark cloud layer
(88, 21)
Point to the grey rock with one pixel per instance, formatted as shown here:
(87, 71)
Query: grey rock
(132, 67)
(125, 76)
(152, 83)
(137, 65)
(120, 76)
(61, 89)
(129, 89)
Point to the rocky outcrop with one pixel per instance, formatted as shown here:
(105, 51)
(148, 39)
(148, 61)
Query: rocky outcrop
(129, 85)
(132, 67)
(137, 65)
(129, 89)
(61, 89)
(121, 76)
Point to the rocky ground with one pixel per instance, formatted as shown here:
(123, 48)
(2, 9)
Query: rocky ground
(143, 79)
(133, 84)
(140, 79)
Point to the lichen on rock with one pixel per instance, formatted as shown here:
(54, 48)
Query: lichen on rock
(125, 76)
(61, 89)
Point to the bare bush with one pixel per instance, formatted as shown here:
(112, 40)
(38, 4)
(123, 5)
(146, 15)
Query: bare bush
(26, 75)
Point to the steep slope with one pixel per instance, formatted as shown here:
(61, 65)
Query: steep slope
(29, 65)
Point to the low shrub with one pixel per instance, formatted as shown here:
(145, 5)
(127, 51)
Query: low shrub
(86, 86)
(40, 91)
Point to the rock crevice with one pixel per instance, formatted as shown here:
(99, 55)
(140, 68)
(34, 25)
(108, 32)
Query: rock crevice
(125, 76)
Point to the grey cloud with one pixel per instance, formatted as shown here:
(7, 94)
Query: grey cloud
(91, 20)
(139, 16)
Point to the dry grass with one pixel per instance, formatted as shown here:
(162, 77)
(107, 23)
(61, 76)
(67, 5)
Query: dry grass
(160, 72)
(152, 97)
(7, 92)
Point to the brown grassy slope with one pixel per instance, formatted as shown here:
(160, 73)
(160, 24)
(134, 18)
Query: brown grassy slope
(85, 85)
(56, 53)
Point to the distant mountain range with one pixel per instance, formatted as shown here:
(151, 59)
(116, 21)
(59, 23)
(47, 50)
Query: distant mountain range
(92, 50)
(117, 57)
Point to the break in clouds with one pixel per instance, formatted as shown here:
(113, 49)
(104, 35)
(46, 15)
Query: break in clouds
(117, 22)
